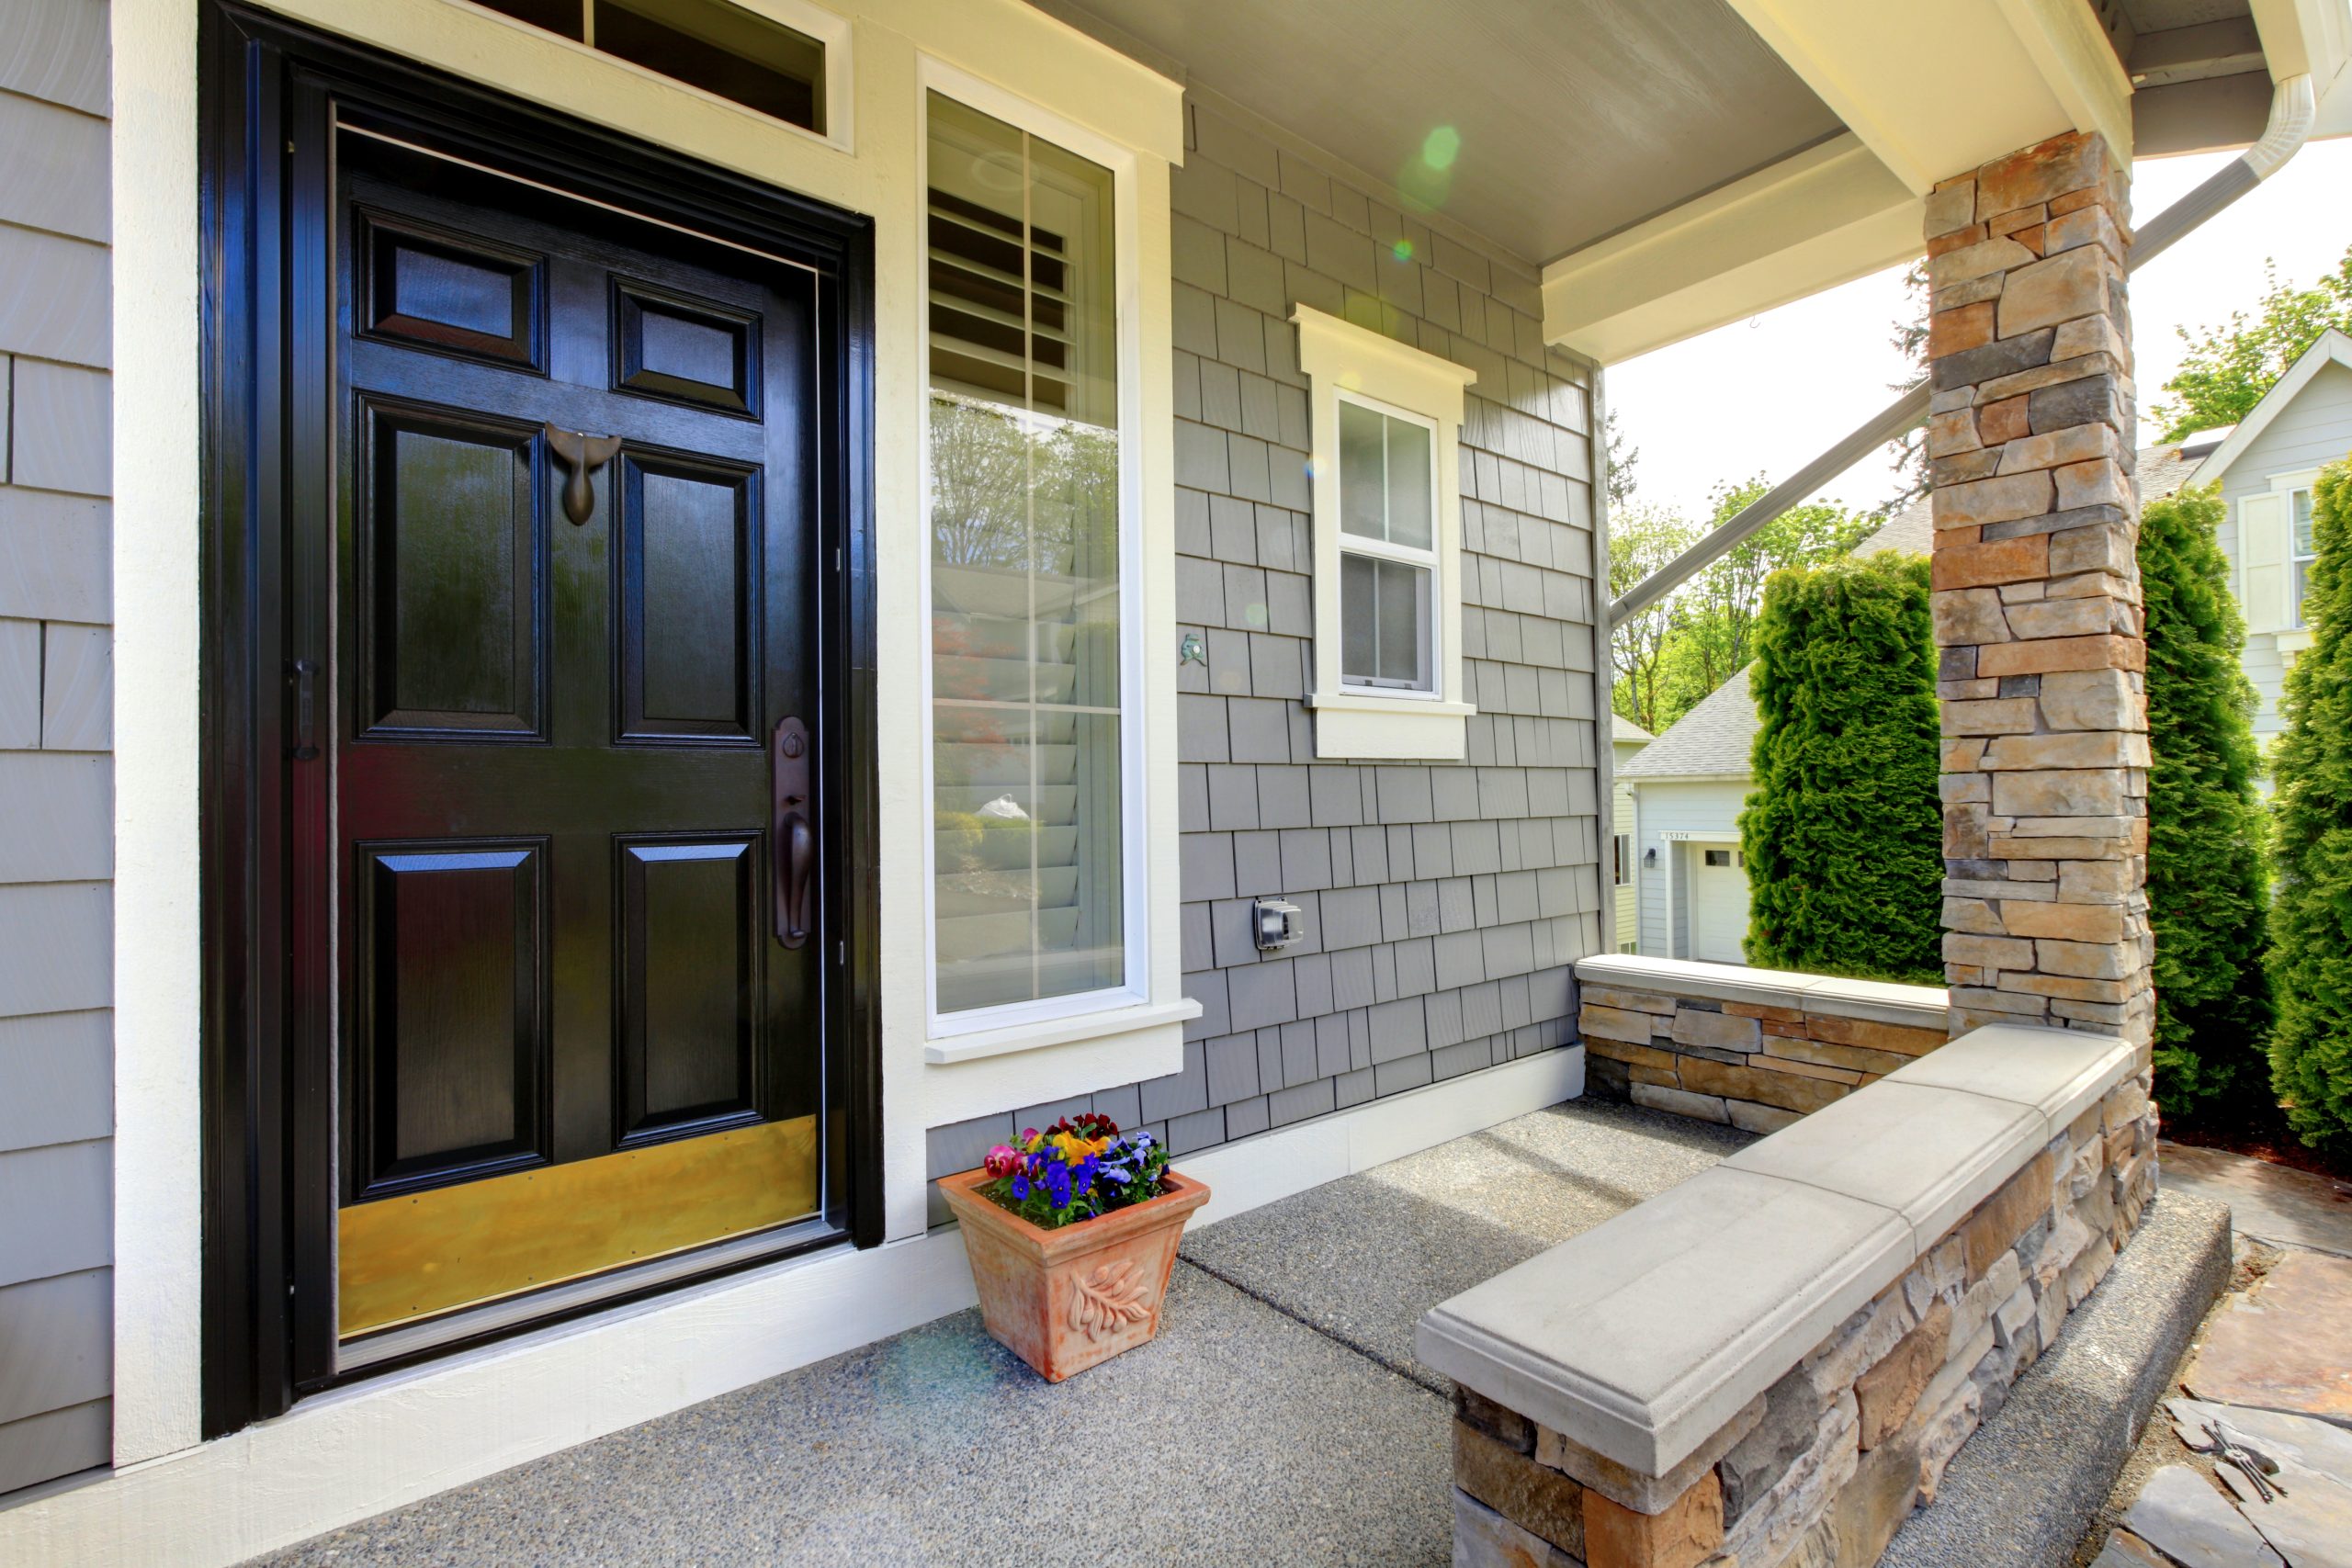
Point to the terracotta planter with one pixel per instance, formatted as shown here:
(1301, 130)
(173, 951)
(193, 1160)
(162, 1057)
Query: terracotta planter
(1062, 1300)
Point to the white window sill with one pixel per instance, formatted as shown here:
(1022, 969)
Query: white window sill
(1359, 725)
(2293, 642)
(1090, 1026)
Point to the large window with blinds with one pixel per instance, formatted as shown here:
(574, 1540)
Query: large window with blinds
(1029, 756)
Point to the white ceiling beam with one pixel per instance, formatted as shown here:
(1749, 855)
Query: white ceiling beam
(1936, 90)
(1828, 214)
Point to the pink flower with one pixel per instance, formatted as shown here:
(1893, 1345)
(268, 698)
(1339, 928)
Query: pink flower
(1001, 1160)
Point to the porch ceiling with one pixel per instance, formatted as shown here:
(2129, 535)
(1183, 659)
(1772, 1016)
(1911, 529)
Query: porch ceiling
(1576, 117)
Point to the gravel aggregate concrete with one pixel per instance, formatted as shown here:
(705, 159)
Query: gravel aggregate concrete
(1363, 1257)
(1237, 1436)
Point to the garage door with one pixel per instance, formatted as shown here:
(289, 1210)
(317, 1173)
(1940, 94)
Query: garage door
(1718, 903)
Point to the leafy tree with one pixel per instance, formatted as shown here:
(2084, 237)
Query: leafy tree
(2228, 369)
(1641, 540)
(2310, 917)
(1909, 339)
(1714, 636)
(1844, 833)
(2207, 892)
(1622, 459)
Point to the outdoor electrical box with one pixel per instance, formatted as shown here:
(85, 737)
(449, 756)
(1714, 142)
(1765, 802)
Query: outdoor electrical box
(1276, 923)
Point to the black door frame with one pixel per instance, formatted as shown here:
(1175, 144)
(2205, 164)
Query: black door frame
(270, 93)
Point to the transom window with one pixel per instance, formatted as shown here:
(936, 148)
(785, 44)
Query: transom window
(1030, 752)
(724, 49)
(1389, 564)
(2305, 550)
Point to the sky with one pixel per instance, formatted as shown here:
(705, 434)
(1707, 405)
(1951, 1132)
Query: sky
(1769, 394)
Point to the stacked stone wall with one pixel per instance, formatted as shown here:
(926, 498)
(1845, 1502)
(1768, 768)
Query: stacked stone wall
(1826, 1465)
(1755, 1065)
(2037, 594)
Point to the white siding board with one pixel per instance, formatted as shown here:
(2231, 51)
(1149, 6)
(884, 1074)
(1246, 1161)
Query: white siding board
(64, 426)
(55, 555)
(56, 51)
(19, 686)
(58, 1443)
(53, 168)
(56, 1210)
(77, 688)
(57, 304)
(1670, 806)
(58, 937)
(59, 823)
(2309, 432)
(58, 1070)
(70, 1318)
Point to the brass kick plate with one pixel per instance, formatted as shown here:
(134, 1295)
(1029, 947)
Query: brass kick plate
(403, 1259)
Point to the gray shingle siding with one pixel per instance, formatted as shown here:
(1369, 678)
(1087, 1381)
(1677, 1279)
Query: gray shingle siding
(1444, 904)
(56, 722)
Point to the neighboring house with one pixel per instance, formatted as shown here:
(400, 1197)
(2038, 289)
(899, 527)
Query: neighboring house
(1690, 785)
(2266, 466)
(1626, 739)
(735, 602)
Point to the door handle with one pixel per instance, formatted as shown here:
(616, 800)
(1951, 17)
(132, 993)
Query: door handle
(794, 843)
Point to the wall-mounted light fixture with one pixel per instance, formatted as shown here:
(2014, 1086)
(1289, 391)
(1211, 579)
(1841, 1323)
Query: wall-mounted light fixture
(1274, 922)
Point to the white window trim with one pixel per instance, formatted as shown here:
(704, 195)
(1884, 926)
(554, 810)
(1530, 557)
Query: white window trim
(830, 29)
(1150, 998)
(1369, 722)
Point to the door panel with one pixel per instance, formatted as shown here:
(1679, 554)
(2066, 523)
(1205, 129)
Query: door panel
(690, 599)
(557, 803)
(452, 291)
(691, 948)
(691, 351)
(453, 1012)
(452, 549)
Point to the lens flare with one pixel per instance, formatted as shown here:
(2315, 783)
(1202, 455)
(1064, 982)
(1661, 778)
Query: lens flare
(1440, 147)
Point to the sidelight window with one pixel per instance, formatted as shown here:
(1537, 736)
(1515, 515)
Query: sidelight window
(1031, 755)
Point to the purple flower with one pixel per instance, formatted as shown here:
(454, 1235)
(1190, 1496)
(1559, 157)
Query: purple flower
(1057, 1186)
(1020, 1185)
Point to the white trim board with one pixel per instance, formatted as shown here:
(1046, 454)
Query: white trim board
(361, 1451)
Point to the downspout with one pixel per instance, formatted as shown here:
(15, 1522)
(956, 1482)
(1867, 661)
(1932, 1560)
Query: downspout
(2295, 104)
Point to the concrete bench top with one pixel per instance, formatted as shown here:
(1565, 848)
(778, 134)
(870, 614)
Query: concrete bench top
(1883, 1001)
(1642, 1337)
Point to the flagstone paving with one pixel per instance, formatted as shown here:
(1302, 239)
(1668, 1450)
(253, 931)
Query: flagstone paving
(2276, 1204)
(2273, 1374)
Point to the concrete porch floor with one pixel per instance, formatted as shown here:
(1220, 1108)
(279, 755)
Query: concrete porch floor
(1279, 1417)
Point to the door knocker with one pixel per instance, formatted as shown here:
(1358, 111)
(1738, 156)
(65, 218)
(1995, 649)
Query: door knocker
(583, 454)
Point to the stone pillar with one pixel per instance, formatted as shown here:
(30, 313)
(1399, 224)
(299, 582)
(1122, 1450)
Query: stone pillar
(2037, 602)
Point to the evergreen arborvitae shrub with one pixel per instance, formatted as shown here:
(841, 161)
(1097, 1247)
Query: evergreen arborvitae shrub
(2310, 917)
(1844, 833)
(2207, 887)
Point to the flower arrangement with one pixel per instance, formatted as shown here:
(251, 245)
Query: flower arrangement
(1078, 1168)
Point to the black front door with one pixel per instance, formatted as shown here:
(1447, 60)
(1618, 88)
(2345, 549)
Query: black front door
(576, 683)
